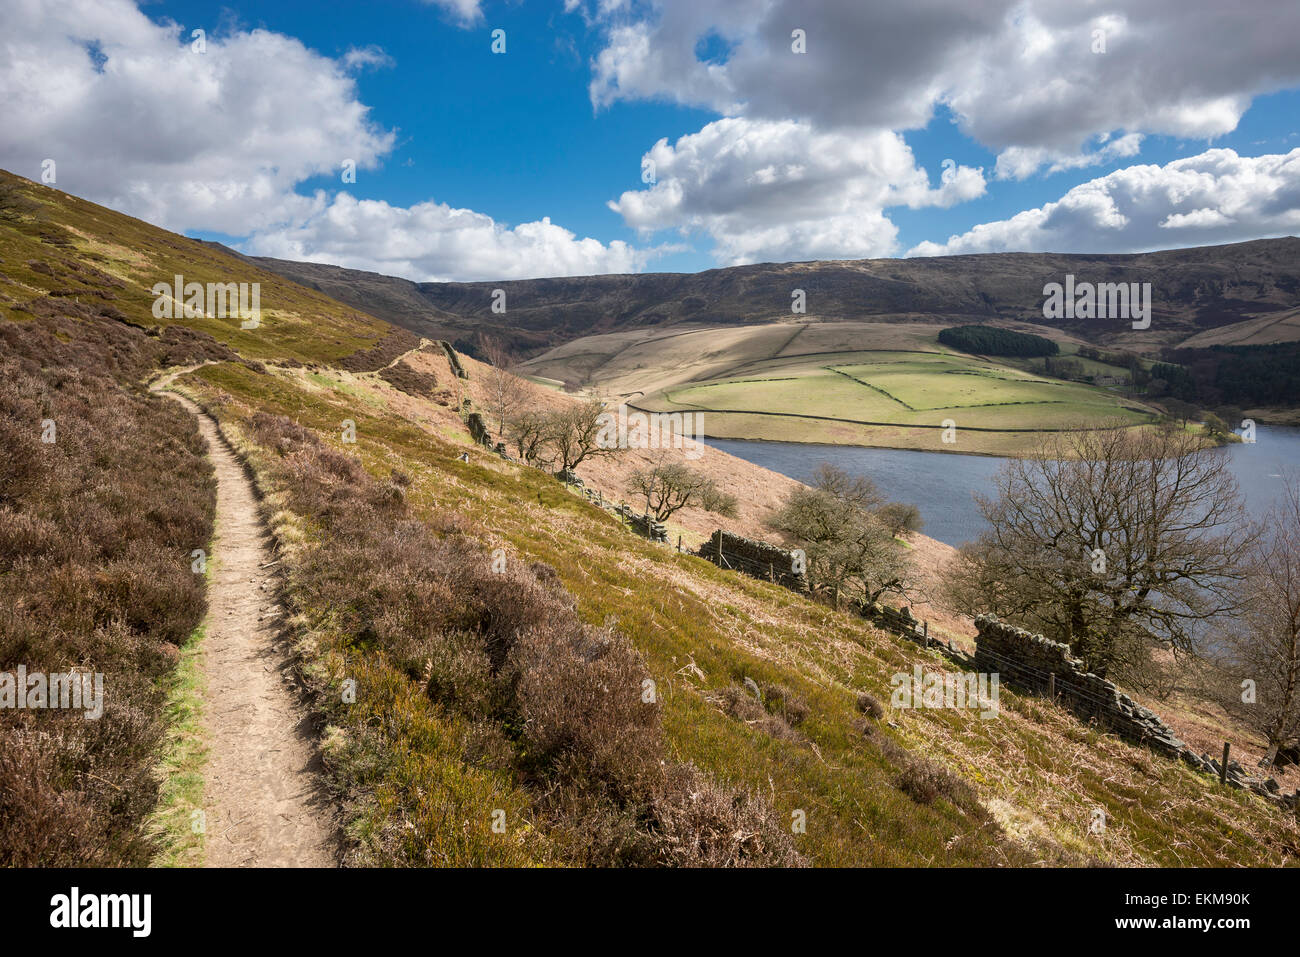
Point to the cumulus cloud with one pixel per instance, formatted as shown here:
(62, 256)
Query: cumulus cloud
(1216, 197)
(137, 118)
(367, 57)
(1020, 76)
(433, 242)
(766, 189)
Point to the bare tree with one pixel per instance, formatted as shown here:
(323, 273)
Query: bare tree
(1263, 652)
(671, 486)
(573, 433)
(1180, 411)
(846, 545)
(529, 431)
(900, 517)
(1112, 541)
(856, 490)
(506, 391)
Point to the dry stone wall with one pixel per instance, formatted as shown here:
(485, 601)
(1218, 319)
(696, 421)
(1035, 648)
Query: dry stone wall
(1018, 656)
(759, 559)
(1033, 661)
(453, 359)
(1042, 665)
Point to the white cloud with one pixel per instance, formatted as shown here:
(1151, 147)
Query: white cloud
(220, 140)
(214, 140)
(765, 189)
(1020, 75)
(464, 12)
(1216, 197)
(360, 58)
(1019, 162)
(433, 242)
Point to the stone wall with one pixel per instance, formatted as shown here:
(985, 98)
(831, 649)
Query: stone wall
(453, 359)
(642, 524)
(901, 621)
(1019, 657)
(1032, 661)
(759, 559)
(478, 429)
(1041, 665)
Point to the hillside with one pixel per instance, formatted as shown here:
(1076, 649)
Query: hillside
(847, 383)
(473, 638)
(1193, 291)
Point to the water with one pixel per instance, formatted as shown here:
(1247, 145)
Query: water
(943, 484)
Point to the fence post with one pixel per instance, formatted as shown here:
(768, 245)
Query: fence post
(679, 544)
(719, 548)
(1223, 768)
(1051, 685)
(925, 630)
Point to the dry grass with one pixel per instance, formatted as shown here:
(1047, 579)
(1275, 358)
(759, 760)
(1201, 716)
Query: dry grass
(554, 708)
(486, 695)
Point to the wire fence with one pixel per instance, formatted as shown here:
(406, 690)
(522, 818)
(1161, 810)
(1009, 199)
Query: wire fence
(769, 570)
(1029, 675)
(1017, 672)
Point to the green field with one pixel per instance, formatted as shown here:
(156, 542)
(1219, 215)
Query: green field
(854, 383)
(903, 398)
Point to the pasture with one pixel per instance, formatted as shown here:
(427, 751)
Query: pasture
(882, 384)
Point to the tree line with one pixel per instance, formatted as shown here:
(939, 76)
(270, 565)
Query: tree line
(1240, 375)
(561, 438)
(992, 341)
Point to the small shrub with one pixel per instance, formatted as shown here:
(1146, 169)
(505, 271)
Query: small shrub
(924, 781)
(739, 702)
(868, 705)
(701, 824)
(781, 701)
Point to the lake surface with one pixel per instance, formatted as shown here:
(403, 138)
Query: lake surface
(943, 484)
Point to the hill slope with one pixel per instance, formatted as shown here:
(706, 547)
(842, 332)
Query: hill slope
(1193, 290)
(475, 638)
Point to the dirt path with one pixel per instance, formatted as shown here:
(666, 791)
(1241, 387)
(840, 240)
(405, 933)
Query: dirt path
(264, 803)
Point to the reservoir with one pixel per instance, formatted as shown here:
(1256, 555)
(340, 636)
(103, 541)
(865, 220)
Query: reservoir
(943, 484)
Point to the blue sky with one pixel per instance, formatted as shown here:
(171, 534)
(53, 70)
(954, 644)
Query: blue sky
(836, 151)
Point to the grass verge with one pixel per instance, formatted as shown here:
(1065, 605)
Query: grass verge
(179, 842)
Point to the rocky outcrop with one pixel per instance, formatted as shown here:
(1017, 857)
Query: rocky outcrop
(478, 429)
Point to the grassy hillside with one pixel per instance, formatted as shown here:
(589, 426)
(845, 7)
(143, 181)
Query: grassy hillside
(98, 263)
(497, 630)
(1022, 786)
(890, 385)
(105, 493)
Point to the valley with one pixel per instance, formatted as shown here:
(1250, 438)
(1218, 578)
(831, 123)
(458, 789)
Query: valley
(454, 619)
(879, 384)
